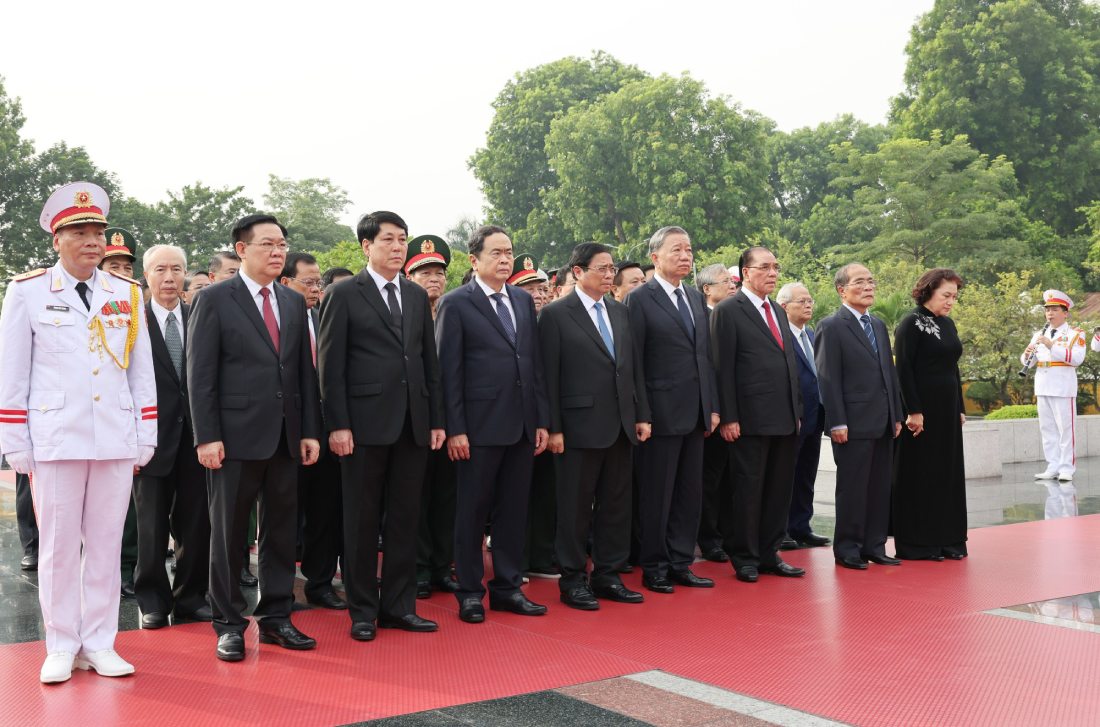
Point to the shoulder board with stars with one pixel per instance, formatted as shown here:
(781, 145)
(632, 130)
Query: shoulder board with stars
(123, 277)
(29, 274)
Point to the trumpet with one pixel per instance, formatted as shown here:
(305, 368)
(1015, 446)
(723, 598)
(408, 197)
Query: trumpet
(1034, 354)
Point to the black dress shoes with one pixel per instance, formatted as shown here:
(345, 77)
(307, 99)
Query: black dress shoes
(953, 555)
(328, 599)
(517, 603)
(783, 569)
(716, 555)
(618, 592)
(686, 578)
(247, 579)
(29, 562)
(200, 614)
(812, 540)
(747, 573)
(231, 647)
(447, 585)
(788, 543)
(627, 568)
(471, 611)
(408, 622)
(658, 584)
(285, 635)
(128, 589)
(581, 598)
(852, 562)
(153, 620)
(423, 590)
(883, 560)
(362, 631)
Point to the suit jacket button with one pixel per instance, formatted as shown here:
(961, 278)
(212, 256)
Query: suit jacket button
(278, 395)
(179, 419)
(519, 383)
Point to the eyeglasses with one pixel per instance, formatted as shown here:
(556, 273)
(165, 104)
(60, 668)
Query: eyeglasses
(268, 247)
(310, 282)
(604, 269)
(862, 283)
(775, 267)
(803, 301)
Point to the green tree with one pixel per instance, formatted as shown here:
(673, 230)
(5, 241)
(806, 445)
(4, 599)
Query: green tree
(344, 254)
(660, 151)
(458, 236)
(16, 181)
(200, 219)
(1021, 78)
(310, 209)
(513, 168)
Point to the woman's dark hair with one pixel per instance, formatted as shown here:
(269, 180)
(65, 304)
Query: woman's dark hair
(933, 279)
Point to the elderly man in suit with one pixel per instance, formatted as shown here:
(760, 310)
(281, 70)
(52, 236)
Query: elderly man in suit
(670, 325)
(598, 409)
(761, 407)
(799, 306)
(256, 413)
(384, 411)
(496, 419)
(170, 490)
(863, 416)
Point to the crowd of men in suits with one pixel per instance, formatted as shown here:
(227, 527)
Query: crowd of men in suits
(645, 417)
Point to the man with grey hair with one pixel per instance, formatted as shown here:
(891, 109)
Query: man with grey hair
(170, 490)
(670, 325)
(859, 387)
(714, 283)
(799, 306)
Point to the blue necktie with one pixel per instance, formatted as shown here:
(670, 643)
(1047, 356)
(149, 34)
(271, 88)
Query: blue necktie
(809, 351)
(866, 320)
(505, 317)
(682, 306)
(605, 332)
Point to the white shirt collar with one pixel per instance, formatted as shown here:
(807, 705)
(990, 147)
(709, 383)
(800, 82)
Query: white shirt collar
(757, 301)
(586, 300)
(489, 291)
(668, 287)
(70, 281)
(856, 313)
(795, 329)
(382, 282)
(253, 286)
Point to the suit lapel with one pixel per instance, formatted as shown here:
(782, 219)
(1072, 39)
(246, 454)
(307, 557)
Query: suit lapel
(665, 303)
(756, 316)
(287, 317)
(408, 307)
(481, 302)
(857, 330)
(369, 290)
(240, 294)
(580, 315)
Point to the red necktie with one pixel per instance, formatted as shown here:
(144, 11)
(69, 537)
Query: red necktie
(771, 323)
(269, 318)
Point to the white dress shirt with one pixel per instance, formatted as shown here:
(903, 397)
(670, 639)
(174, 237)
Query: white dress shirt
(758, 304)
(670, 291)
(254, 291)
(161, 314)
(492, 303)
(382, 283)
(589, 306)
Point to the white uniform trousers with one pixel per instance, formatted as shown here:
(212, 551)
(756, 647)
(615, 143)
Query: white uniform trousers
(1057, 419)
(80, 503)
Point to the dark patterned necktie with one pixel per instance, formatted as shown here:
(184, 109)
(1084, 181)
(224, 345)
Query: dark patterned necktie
(174, 343)
(681, 305)
(866, 320)
(505, 317)
(395, 308)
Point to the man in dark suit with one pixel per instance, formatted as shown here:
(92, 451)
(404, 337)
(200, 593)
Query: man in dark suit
(171, 487)
(862, 415)
(496, 413)
(798, 304)
(256, 412)
(761, 406)
(598, 410)
(319, 498)
(383, 407)
(670, 326)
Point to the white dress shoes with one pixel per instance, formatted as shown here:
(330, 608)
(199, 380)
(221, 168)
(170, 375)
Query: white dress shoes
(57, 667)
(106, 663)
(1045, 475)
(1065, 477)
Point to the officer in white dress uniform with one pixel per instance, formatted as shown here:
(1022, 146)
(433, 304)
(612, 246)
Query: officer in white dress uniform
(78, 412)
(1059, 349)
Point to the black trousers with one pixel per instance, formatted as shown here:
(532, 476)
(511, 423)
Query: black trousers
(319, 502)
(435, 547)
(670, 479)
(807, 458)
(863, 472)
(593, 488)
(379, 479)
(128, 556)
(542, 515)
(24, 515)
(493, 486)
(716, 519)
(762, 471)
(231, 491)
(175, 503)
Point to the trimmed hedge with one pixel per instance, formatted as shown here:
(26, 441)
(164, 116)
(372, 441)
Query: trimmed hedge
(1014, 411)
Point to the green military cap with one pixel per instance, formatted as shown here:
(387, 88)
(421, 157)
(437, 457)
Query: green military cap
(427, 250)
(524, 270)
(120, 242)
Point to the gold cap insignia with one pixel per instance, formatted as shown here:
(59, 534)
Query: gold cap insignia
(82, 199)
(528, 264)
(118, 239)
(427, 247)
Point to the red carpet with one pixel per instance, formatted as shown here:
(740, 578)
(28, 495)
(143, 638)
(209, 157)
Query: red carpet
(891, 646)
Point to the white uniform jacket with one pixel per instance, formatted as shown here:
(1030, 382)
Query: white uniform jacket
(61, 392)
(1056, 367)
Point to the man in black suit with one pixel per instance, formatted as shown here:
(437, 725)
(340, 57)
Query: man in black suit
(598, 410)
(383, 409)
(798, 304)
(862, 415)
(256, 412)
(496, 413)
(319, 511)
(761, 406)
(670, 326)
(171, 488)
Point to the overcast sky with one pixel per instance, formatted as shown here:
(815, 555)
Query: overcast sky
(389, 100)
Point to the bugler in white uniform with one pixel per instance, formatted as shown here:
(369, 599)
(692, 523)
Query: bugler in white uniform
(1056, 390)
(78, 409)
